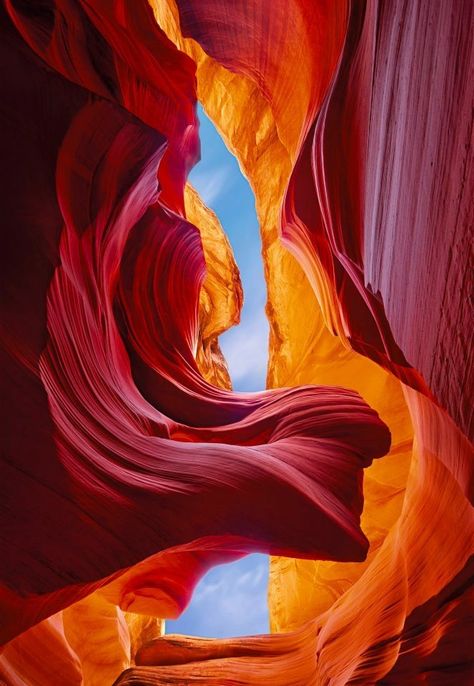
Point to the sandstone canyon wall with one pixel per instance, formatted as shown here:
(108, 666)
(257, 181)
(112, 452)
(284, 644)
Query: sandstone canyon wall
(129, 465)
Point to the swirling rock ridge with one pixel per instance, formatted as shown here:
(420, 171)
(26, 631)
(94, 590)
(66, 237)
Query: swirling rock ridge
(129, 467)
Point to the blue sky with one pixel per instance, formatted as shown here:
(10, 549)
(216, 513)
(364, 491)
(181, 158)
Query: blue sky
(230, 600)
(223, 188)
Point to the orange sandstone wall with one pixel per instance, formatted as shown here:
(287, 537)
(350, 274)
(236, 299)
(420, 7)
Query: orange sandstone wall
(400, 616)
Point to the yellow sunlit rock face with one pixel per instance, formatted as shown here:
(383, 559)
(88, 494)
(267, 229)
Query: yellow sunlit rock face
(302, 350)
(406, 492)
(221, 293)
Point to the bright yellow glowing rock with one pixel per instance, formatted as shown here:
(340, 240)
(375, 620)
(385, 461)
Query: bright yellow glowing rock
(221, 294)
(365, 615)
(97, 632)
(302, 350)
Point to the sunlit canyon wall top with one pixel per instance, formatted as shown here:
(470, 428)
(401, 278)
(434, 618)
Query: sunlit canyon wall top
(129, 467)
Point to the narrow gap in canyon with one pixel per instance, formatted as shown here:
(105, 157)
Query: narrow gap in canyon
(231, 599)
(223, 188)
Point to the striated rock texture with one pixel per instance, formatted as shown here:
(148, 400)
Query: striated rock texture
(363, 114)
(353, 123)
(125, 473)
(220, 298)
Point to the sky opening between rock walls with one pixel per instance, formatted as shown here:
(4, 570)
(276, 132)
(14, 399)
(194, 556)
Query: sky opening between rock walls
(231, 600)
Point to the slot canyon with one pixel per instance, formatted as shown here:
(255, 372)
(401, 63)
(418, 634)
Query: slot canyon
(132, 462)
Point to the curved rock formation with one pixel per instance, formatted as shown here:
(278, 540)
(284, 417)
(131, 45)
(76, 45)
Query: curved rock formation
(126, 471)
(345, 207)
(101, 332)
